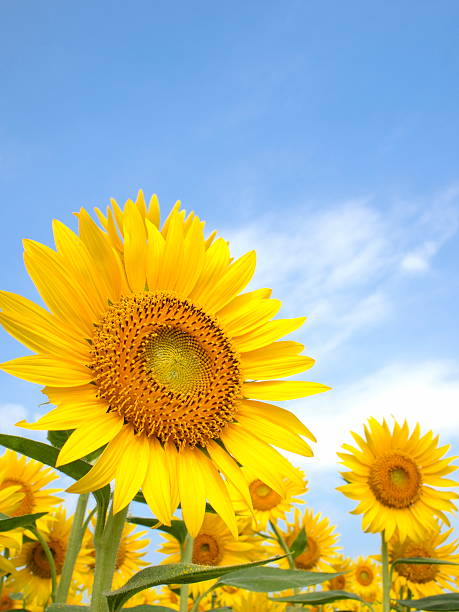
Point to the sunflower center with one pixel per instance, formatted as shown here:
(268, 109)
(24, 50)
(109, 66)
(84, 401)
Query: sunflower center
(418, 573)
(310, 556)
(167, 368)
(38, 562)
(364, 575)
(395, 480)
(27, 504)
(263, 497)
(337, 583)
(206, 550)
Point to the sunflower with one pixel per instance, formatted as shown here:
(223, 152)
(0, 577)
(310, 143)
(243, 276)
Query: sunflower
(33, 575)
(214, 545)
(268, 504)
(9, 598)
(149, 346)
(425, 580)
(128, 559)
(30, 477)
(393, 475)
(339, 583)
(365, 579)
(320, 549)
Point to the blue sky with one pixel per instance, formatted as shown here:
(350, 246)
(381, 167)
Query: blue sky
(323, 134)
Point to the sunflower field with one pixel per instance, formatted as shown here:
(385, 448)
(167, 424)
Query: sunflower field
(159, 372)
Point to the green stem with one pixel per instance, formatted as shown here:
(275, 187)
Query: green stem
(187, 555)
(386, 578)
(73, 548)
(106, 550)
(285, 547)
(50, 558)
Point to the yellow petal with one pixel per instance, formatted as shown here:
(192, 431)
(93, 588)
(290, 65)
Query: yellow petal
(217, 493)
(266, 334)
(104, 469)
(157, 484)
(135, 247)
(278, 390)
(276, 435)
(155, 250)
(192, 490)
(172, 262)
(130, 471)
(274, 368)
(277, 415)
(230, 469)
(68, 417)
(215, 263)
(255, 314)
(48, 371)
(85, 440)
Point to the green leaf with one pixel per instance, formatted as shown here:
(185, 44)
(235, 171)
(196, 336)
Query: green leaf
(26, 520)
(299, 543)
(48, 454)
(176, 529)
(317, 598)
(59, 607)
(59, 438)
(173, 573)
(266, 579)
(422, 561)
(446, 602)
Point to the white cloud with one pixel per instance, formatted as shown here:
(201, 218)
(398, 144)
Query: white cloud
(339, 263)
(426, 392)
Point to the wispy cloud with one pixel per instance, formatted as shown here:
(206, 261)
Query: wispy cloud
(338, 263)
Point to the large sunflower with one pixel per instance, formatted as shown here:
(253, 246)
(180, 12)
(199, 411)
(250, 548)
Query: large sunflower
(149, 346)
(424, 580)
(31, 478)
(393, 475)
(321, 548)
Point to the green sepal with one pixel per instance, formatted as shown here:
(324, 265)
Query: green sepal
(446, 602)
(318, 598)
(13, 522)
(267, 579)
(172, 573)
(48, 455)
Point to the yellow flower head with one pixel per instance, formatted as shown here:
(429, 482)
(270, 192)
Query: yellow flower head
(268, 504)
(425, 580)
(30, 478)
(256, 602)
(393, 475)
(365, 579)
(8, 599)
(33, 575)
(321, 547)
(342, 582)
(148, 345)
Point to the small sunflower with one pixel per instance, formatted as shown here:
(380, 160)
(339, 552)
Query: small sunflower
(9, 599)
(320, 549)
(393, 475)
(33, 575)
(214, 545)
(268, 504)
(425, 580)
(339, 583)
(149, 346)
(365, 579)
(128, 559)
(31, 477)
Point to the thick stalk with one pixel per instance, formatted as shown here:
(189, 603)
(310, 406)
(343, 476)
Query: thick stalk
(283, 544)
(50, 558)
(386, 581)
(187, 555)
(73, 548)
(106, 551)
